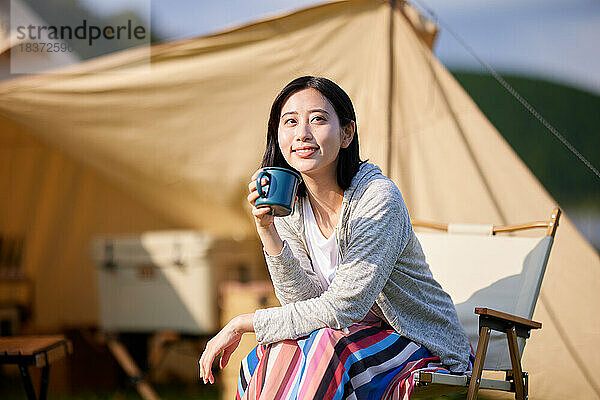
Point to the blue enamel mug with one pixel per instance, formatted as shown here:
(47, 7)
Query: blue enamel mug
(279, 192)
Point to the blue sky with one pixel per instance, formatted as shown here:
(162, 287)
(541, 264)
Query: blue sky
(552, 39)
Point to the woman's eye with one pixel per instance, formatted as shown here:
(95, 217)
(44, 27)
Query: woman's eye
(318, 118)
(289, 120)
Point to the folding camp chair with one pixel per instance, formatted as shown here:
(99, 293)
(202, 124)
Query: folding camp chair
(502, 273)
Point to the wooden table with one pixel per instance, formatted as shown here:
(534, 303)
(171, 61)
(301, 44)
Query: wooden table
(40, 351)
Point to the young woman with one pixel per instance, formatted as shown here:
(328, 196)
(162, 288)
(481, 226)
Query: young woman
(359, 303)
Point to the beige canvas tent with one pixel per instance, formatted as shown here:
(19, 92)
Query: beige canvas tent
(106, 149)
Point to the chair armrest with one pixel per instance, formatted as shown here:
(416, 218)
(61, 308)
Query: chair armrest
(508, 317)
(501, 321)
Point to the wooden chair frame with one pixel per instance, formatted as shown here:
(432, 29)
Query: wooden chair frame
(517, 381)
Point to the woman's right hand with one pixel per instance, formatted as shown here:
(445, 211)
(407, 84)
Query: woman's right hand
(262, 219)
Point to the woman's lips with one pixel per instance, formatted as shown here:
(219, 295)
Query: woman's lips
(305, 153)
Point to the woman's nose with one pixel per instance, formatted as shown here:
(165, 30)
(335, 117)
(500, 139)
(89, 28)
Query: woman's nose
(303, 132)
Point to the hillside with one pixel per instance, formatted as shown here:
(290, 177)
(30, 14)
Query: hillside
(575, 113)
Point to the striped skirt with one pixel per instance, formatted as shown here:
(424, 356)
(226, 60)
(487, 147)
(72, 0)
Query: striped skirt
(359, 362)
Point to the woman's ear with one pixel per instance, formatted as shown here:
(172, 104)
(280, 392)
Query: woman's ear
(348, 134)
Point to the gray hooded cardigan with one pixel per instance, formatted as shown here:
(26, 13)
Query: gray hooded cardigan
(382, 268)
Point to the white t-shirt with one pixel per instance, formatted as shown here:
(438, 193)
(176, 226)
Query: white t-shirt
(324, 252)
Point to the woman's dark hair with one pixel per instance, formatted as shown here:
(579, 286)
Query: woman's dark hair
(348, 161)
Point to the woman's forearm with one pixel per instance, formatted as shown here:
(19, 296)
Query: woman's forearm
(244, 323)
(271, 240)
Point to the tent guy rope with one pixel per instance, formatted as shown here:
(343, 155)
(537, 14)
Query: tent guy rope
(507, 86)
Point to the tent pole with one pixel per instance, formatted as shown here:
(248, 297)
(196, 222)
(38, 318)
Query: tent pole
(388, 161)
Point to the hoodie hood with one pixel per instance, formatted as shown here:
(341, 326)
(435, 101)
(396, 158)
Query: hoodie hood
(366, 173)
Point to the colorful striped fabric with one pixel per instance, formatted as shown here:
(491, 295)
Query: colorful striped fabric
(359, 362)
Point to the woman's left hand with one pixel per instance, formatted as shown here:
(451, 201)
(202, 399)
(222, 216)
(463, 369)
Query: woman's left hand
(227, 340)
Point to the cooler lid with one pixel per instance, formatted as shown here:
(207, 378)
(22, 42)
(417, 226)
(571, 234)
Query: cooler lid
(156, 247)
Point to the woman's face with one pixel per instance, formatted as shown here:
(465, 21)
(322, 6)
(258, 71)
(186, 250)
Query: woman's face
(310, 135)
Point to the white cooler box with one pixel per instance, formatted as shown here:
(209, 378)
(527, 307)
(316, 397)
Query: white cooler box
(156, 281)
